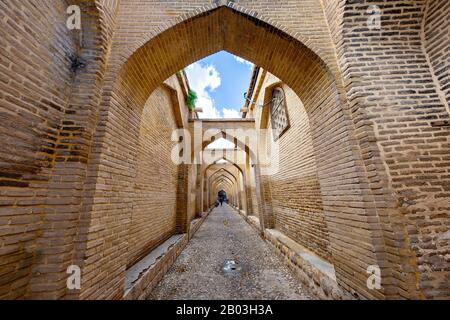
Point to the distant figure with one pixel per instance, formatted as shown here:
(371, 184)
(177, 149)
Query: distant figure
(222, 196)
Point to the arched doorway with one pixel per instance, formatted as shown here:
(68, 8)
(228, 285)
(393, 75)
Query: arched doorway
(348, 203)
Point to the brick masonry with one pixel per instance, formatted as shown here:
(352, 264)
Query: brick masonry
(34, 99)
(73, 107)
(296, 195)
(396, 67)
(156, 178)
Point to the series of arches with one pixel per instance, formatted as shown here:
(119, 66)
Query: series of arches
(99, 134)
(315, 80)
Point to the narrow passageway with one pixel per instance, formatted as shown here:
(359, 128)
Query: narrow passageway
(199, 271)
(125, 120)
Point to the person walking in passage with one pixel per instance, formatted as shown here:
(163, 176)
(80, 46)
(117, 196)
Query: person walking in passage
(222, 196)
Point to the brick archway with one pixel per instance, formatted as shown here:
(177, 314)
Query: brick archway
(73, 104)
(242, 145)
(217, 181)
(140, 39)
(224, 28)
(245, 196)
(263, 203)
(240, 197)
(222, 183)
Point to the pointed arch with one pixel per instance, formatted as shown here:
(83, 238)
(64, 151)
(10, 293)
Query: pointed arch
(297, 65)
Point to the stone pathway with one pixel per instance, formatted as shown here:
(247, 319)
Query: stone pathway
(199, 271)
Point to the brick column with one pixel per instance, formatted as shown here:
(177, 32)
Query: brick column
(182, 198)
(264, 200)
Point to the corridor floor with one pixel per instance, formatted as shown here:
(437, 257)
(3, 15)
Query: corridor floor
(199, 271)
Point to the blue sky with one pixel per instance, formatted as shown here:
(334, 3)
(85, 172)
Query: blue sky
(220, 81)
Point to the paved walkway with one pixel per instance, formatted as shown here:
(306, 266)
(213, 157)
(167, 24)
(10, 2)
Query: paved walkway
(199, 271)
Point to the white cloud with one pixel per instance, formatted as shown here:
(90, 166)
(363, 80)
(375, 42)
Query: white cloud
(201, 79)
(222, 161)
(243, 61)
(221, 143)
(230, 113)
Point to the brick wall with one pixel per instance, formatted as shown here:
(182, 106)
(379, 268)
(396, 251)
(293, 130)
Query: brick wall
(391, 88)
(436, 42)
(153, 219)
(252, 191)
(36, 78)
(377, 102)
(295, 189)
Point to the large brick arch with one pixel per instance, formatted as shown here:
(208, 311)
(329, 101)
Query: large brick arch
(353, 221)
(126, 46)
(69, 153)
